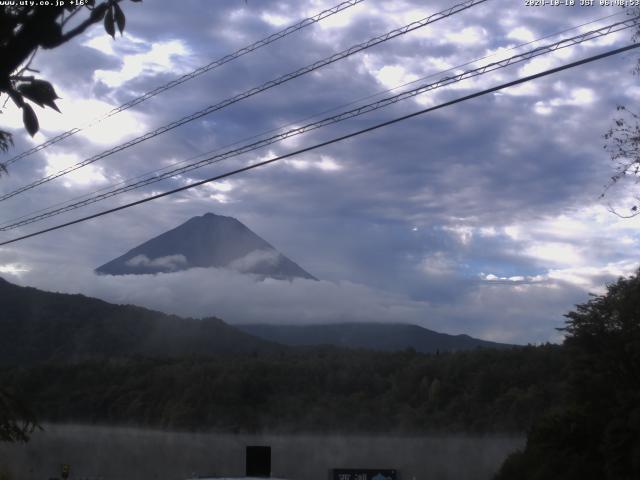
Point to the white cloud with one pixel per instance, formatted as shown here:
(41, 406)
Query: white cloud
(555, 253)
(255, 259)
(488, 231)
(237, 298)
(13, 269)
(151, 59)
(464, 233)
(343, 19)
(590, 277)
(220, 197)
(326, 164)
(537, 65)
(467, 36)
(171, 262)
(577, 97)
(391, 76)
(522, 34)
(78, 111)
(87, 175)
(275, 20)
(490, 277)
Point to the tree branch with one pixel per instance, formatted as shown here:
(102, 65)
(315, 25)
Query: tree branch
(96, 15)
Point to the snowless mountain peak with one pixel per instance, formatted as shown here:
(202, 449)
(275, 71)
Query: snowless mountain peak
(206, 241)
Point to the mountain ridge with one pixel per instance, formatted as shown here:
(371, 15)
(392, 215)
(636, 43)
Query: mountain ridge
(208, 240)
(38, 326)
(368, 335)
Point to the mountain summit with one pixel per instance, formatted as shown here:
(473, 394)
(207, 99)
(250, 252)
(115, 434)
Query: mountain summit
(206, 241)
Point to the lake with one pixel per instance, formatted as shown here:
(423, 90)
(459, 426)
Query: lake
(136, 454)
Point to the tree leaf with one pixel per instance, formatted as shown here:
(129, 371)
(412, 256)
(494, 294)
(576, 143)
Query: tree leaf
(50, 35)
(39, 92)
(120, 19)
(136, 1)
(97, 13)
(16, 97)
(30, 119)
(109, 23)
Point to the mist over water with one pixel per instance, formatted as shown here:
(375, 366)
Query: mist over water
(135, 454)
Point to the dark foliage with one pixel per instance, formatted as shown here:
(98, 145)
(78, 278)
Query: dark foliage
(28, 26)
(17, 420)
(81, 359)
(623, 142)
(623, 146)
(37, 326)
(311, 390)
(595, 434)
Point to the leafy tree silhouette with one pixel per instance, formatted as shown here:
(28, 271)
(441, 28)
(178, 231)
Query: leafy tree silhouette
(622, 142)
(26, 28)
(595, 434)
(17, 421)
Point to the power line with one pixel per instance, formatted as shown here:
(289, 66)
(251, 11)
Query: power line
(291, 124)
(334, 140)
(254, 91)
(315, 115)
(191, 75)
(607, 30)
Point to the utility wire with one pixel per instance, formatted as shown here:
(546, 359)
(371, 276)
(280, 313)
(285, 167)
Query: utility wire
(334, 140)
(157, 171)
(254, 91)
(191, 75)
(315, 115)
(335, 119)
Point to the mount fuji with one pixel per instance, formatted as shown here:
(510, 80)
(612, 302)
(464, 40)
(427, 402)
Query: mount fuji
(206, 241)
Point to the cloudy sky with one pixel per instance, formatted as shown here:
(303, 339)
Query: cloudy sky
(482, 218)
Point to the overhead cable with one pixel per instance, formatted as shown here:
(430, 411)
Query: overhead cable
(189, 76)
(578, 39)
(254, 91)
(332, 141)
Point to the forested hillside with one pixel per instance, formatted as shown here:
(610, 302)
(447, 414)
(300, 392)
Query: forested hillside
(374, 336)
(78, 359)
(317, 390)
(593, 432)
(37, 326)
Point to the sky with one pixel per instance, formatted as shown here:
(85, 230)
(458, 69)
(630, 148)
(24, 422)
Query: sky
(484, 218)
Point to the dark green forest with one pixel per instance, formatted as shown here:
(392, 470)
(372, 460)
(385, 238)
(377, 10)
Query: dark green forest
(594, 432)
(319, 390)
(579, 402)
(72, 358)
(38, 326)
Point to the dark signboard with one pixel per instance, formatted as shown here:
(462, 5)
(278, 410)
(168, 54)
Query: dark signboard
(258, 461)
(363, 474)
